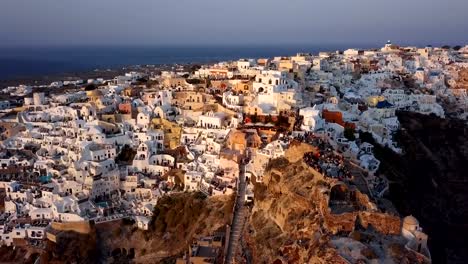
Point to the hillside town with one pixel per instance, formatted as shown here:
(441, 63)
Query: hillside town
(103, 150)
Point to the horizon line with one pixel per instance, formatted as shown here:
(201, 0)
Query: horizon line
(230, 45)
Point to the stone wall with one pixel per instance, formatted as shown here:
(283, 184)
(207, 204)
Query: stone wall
(340, 222)
(346, 222)
(334, 222)
(80, 227)
(383, 223)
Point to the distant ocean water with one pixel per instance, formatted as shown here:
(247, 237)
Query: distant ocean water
(36, 61)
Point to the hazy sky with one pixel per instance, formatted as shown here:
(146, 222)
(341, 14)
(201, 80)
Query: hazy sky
(156, 22)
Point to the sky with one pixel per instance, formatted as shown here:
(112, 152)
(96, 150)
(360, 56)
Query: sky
(222, 22)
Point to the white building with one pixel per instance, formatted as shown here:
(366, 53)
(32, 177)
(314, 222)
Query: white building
(211, 120)
(311, 119)
(39, 99)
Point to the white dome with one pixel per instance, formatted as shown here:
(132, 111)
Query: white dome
(410, 223)
(410, 220)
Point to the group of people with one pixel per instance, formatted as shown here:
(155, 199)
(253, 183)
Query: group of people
(325, 160)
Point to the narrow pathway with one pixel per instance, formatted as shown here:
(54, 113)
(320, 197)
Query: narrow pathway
(359, 177)
(238, 219)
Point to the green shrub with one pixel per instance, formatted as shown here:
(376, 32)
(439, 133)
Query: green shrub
(349, 134)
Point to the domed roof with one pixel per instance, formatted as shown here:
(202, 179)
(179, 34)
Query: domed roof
(410, 220)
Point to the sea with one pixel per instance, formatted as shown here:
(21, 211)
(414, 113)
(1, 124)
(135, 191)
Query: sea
(21, 62)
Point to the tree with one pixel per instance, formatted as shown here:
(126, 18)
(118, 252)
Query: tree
(151, 83)
(90, 87)
(142, 80)
(254, 118)
(349, 134)
(195, 67)
(282, 120)
(193, 81)
(208, 83)
(126, 155)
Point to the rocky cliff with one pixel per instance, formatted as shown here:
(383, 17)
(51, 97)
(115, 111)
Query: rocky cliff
(462, 81)
(177, 220)
(292, 220)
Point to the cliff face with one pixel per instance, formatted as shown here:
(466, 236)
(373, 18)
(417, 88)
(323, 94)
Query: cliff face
(294, 220)
(430, 181)
(177, 220)
(285, 224)
(462, 81)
